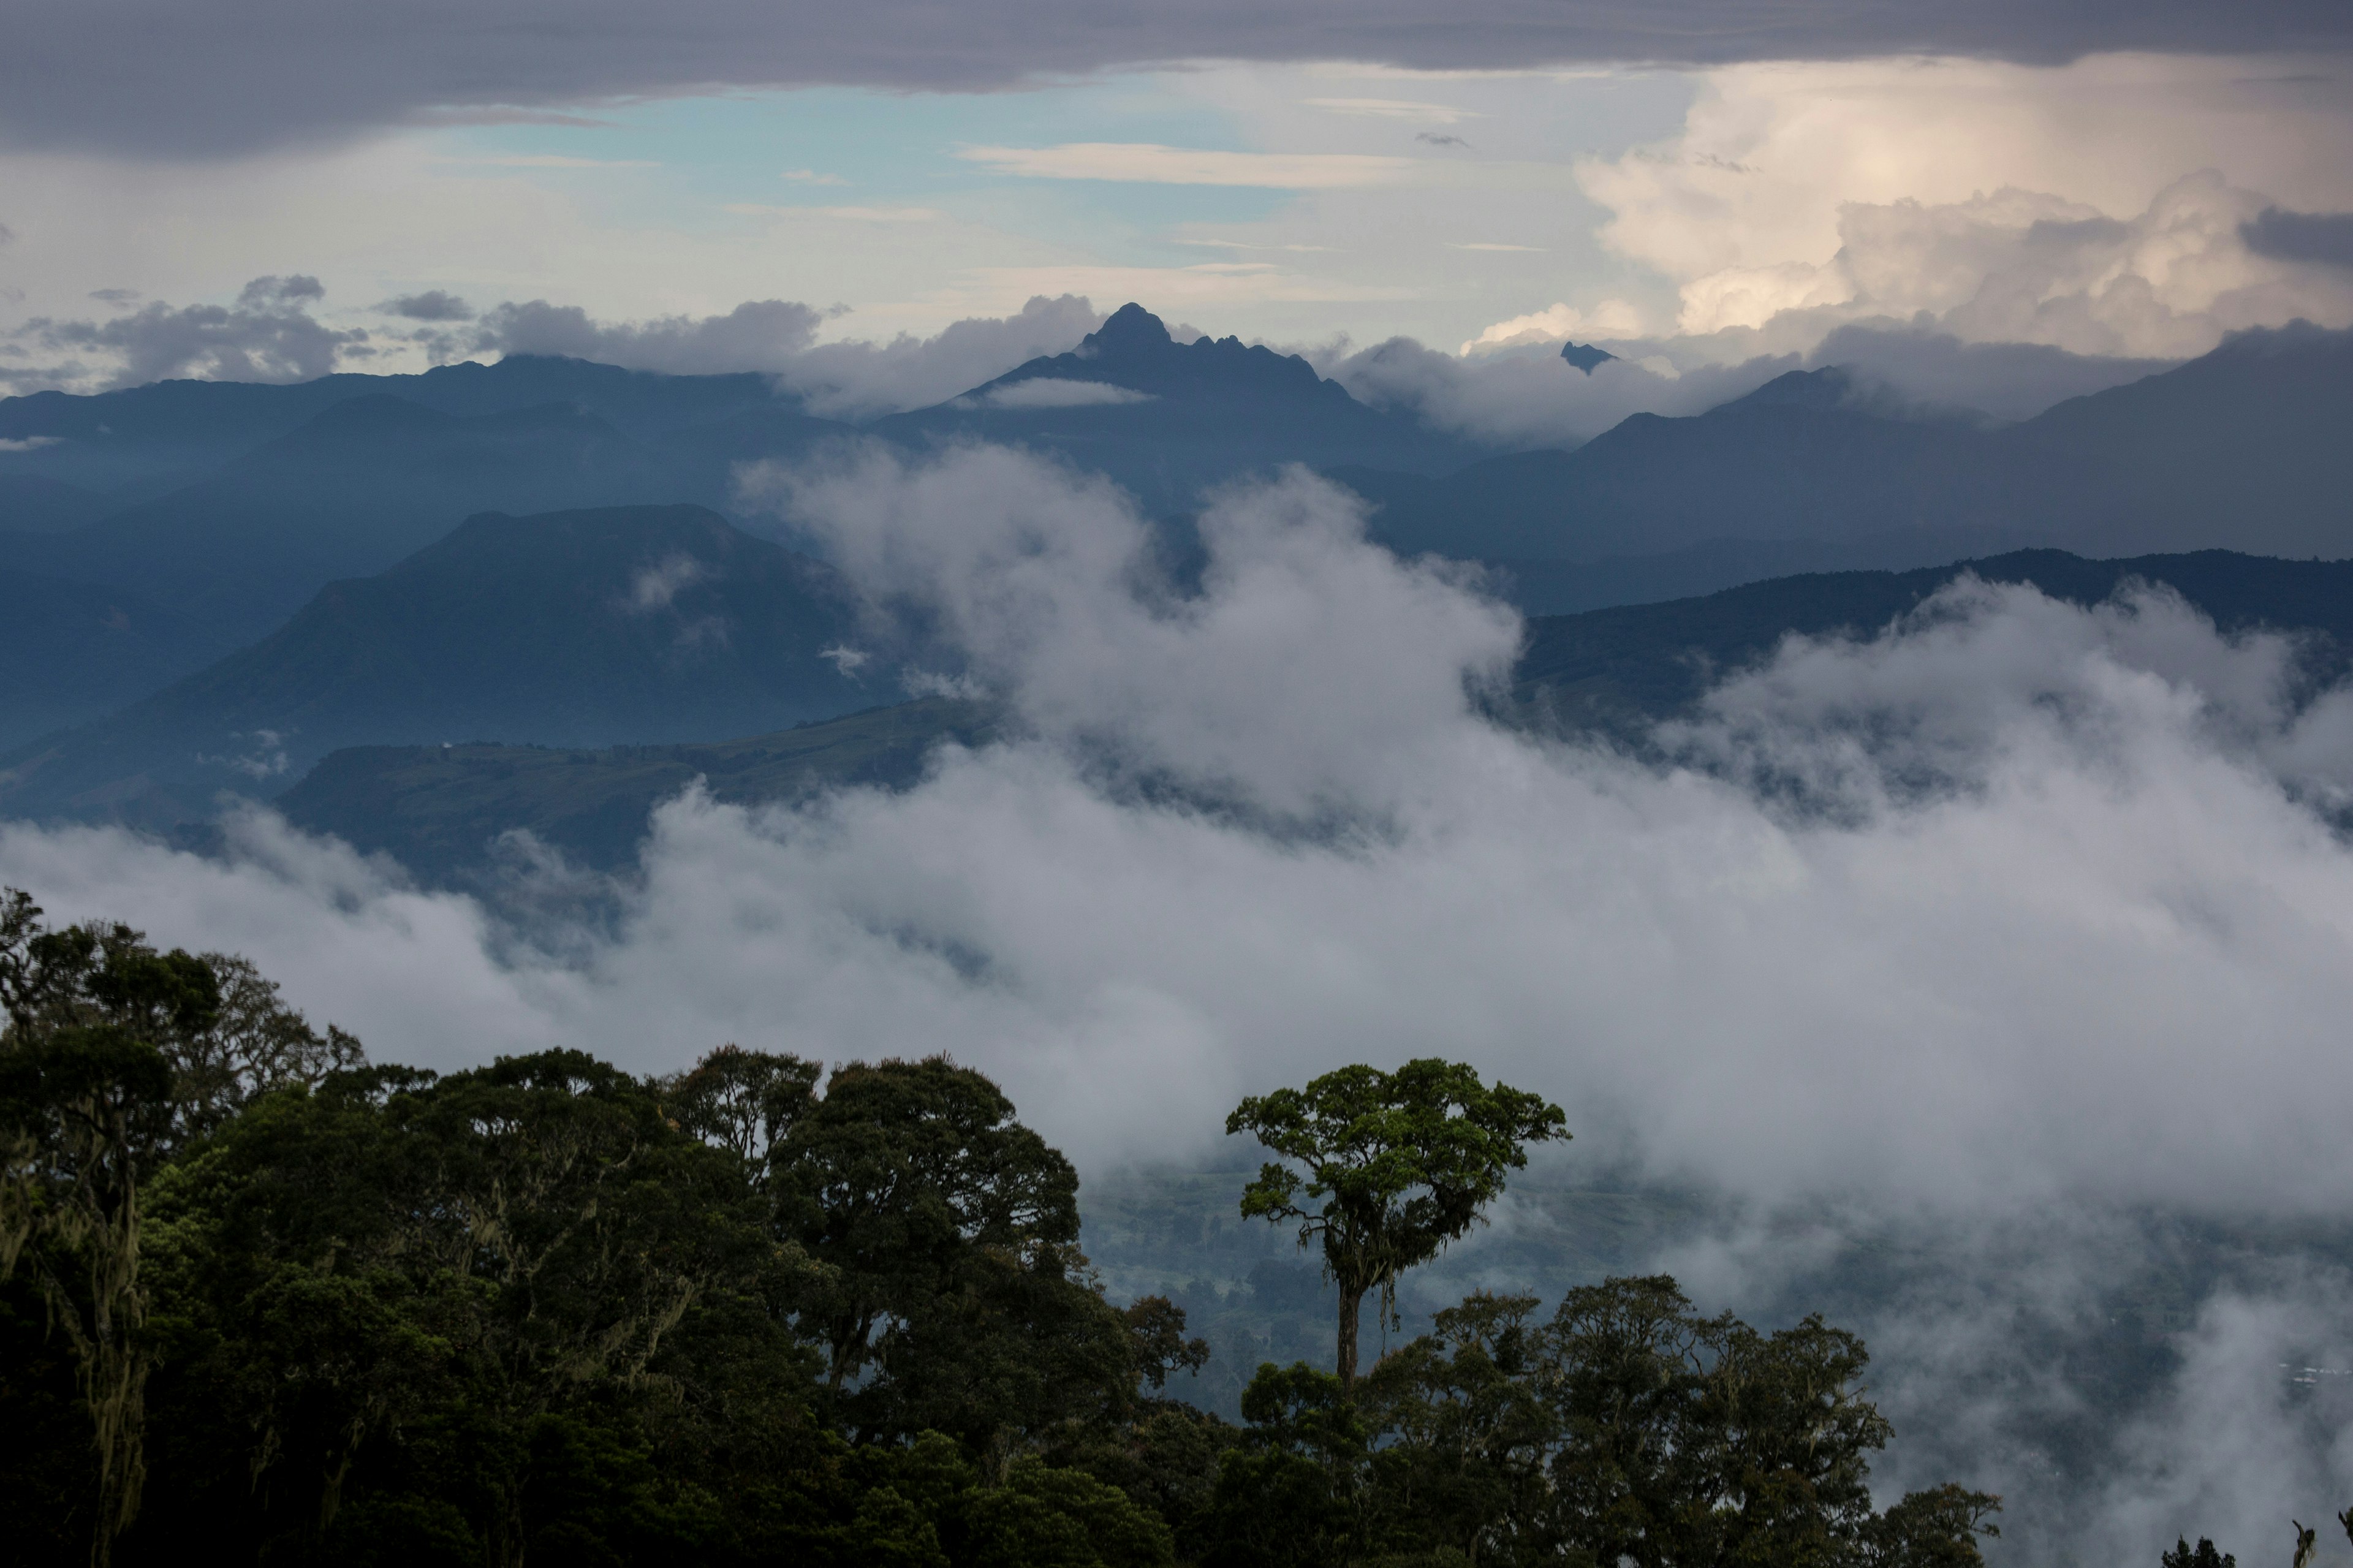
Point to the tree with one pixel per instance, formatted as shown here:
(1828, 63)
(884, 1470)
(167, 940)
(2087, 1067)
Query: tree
(743, 1101)
(1395, 1165)
(81, 1113)
(951, 1294)
(2203, 1554)
(1291, 1494)
(1472, 1433)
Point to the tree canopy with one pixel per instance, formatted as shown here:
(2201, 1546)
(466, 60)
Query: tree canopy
(1393, 1166)
(261, 1293)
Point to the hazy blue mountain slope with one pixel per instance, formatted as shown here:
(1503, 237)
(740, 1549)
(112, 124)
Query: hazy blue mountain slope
(1614, 671)
(648, 623)
(35, 503)
(1168, 419)
(1620, 668)
(2245, 448)
(438, 809)
(72, 651)
(365, 482)
(1784, 463)
(137, 439)
(2250, 447)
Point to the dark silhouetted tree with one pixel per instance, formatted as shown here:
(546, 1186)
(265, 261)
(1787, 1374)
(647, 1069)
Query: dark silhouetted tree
(1389, 1167)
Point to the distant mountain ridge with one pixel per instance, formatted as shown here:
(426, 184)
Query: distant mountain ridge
(1167, 420)
(296, 487)
(2243, 449)
(1612, 672)
(645, 624)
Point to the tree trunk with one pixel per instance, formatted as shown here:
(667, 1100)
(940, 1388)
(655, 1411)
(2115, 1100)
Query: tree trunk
(1352, 1306)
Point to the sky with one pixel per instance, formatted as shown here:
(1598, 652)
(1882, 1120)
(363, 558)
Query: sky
(1704, 182)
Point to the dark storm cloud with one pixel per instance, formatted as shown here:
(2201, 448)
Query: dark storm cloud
(433, 305)
(268, 335)
(161, 78)
(758, 334)
(2284, 235)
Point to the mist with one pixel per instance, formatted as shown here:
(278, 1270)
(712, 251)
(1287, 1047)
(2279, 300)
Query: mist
(2005, 926)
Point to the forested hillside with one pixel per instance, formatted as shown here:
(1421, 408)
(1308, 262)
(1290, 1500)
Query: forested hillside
(261, 1293)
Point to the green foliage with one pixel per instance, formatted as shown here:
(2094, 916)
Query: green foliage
(1291, 1494)
(1395, 1165)
(307, 1311)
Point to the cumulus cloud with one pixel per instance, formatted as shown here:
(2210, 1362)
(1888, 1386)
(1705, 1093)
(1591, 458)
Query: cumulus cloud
(268, 334)
(2101, 207)
(433, 305)
(846, 378)
(135, 74)
(759, 334)
(1955, 915)
(1526, 395)
(1558, 323)
(854, 379)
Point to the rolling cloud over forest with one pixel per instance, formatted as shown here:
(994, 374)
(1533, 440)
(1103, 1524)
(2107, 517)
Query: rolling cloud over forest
(1974, 971)
(2002, 924)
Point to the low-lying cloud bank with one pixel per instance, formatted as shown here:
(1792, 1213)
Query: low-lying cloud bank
(2011, 901)
(1999, 926)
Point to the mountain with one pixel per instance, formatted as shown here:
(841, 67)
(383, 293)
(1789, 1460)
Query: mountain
(438, 810)
(140, 440)
(35, 503)
(1168, 419)
(1803, 457)
(2246, 447)
(577, 628)
(1615, 671)
(1618, 669)
(370, 480)
(362, 484)
(2241, 449)
(70, 651)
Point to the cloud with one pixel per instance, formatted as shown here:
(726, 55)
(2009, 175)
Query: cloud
(1557, 324)
(2033, 863)
(657, 586)
(759, 334)
(1526, 396)
(811, 177)
(1519, 394)
(138, 75)
(1049, 392)
(2098, 207)
(2282, 235)
(853, 379)
(433, 305)
(1151, 163)
(267, 335)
